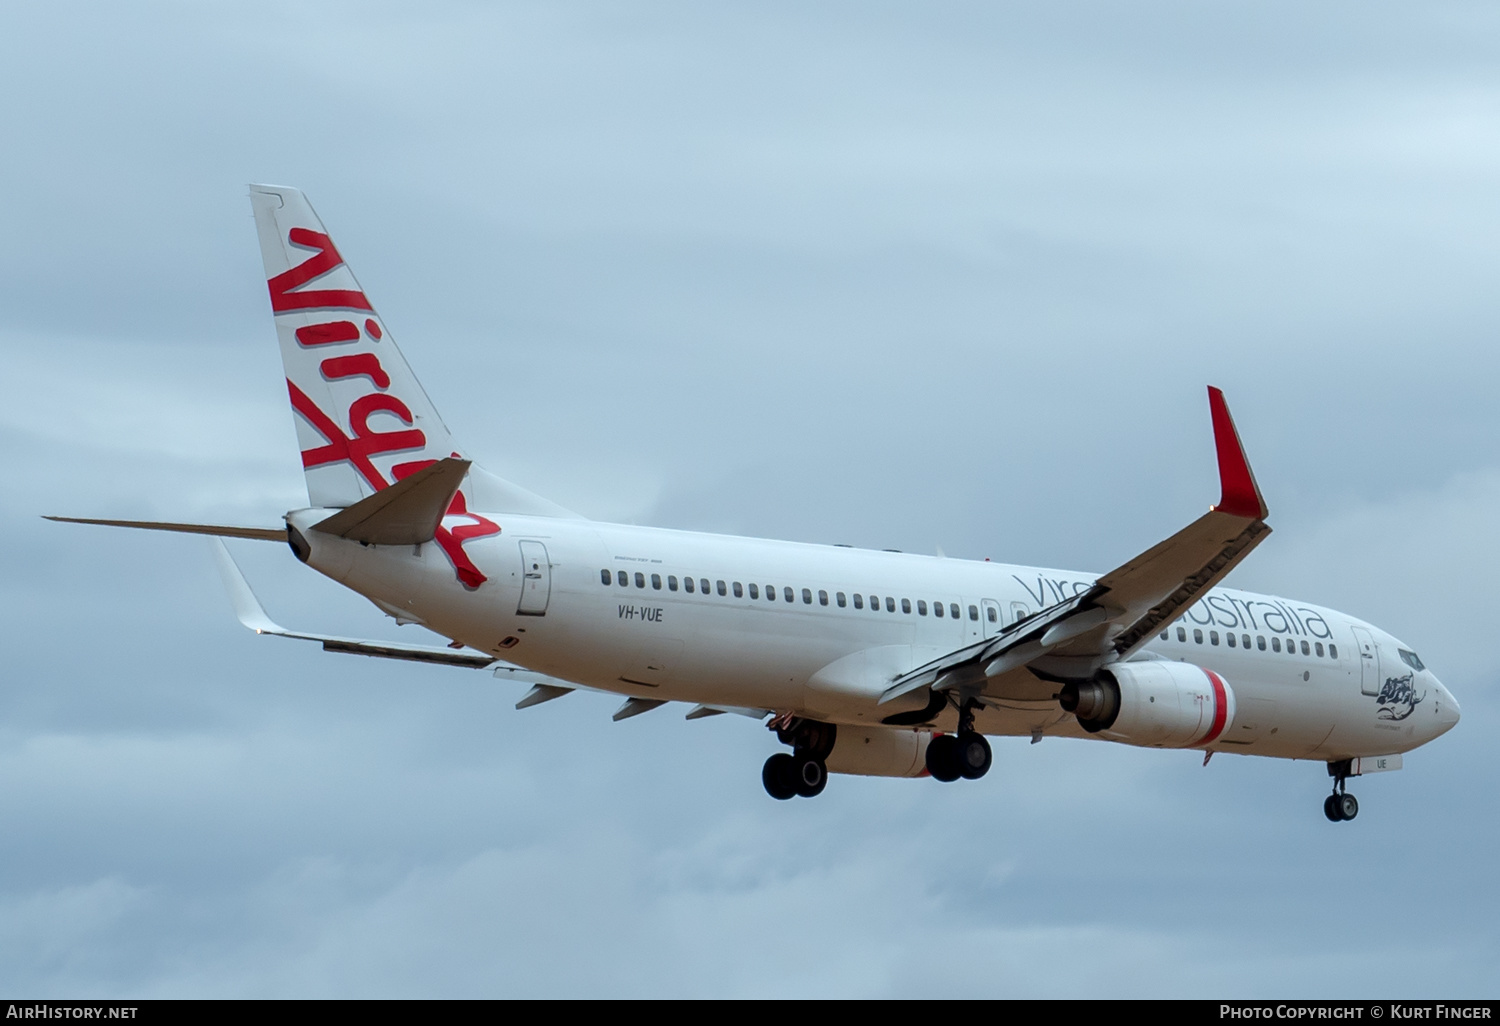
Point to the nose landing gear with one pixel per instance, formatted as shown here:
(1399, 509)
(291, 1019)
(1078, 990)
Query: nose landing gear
(1340, 805)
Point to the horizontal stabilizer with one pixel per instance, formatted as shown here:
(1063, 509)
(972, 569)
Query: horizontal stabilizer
(409, 512)
(277, 534)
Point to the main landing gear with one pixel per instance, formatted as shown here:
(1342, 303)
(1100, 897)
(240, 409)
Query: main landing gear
(802, 773)
(1340, 805)
(965, 754)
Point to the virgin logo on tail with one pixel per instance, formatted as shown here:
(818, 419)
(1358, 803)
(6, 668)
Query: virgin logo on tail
(357, 446)
(325, 260)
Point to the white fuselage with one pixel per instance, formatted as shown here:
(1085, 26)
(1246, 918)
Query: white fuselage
(780, 628)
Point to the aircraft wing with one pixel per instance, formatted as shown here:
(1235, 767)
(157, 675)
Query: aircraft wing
(252, 614)
(1123, 609)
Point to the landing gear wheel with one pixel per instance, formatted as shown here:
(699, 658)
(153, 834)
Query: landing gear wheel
(942, 758)
(1341, 805)
(809, 775)
(1331, 808)
(972, 755)
(777, 775)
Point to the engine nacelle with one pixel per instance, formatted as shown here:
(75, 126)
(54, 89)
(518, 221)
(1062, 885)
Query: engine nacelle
(1155, 704)
(876, 752)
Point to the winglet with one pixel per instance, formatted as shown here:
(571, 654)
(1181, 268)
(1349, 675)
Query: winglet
(246, 606)
(1240, 495)
(250, 612)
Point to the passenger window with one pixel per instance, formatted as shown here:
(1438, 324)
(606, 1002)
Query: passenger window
(656, 582)
(937, 608)
(1213, 637)
(1164, 636)
(754, 591)
(1260, 642)
(703, 585)
(1275, 644)
(890, 604)
(671, 582)
(770, 593)
(786, 593)
(1197, 636)
(640, 580)
(722, 589)
(1333, 651)
(859, 600)
(604, 576)
(1245, 640)
(687, 585)
(624, 579)
(739, 591)
(991, 614)
(1181, 634)
(1318, 646)
(841, 600)
(973, 612)
(921, 607)
(874, 603)
(1305, 649)
(807, 596)
(953, 610)
(822, 597)
(906, 606)
(1232, 643)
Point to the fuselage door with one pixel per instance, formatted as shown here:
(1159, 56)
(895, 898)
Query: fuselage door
(536, 579)
(989, 612)
(1369, 661)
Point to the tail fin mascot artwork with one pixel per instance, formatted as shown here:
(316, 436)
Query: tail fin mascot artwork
(861, 662)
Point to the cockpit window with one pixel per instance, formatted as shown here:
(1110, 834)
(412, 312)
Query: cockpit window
(1410, 659)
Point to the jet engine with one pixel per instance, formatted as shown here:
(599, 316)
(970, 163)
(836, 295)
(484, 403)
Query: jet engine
(876, 752)
(1154, 704)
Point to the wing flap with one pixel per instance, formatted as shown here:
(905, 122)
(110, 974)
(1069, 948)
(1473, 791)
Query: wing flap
(1158, 586)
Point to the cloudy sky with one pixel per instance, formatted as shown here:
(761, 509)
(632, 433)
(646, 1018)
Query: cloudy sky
(899, 275)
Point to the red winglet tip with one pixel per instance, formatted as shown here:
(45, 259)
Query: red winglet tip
(1240, 497)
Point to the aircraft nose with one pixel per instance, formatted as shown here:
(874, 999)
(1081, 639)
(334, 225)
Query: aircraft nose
(1448, 711)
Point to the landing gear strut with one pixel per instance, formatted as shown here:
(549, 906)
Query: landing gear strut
(1340, 805)
(965, 754)
(802, 772)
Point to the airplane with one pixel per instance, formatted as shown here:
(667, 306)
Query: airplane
(861, 662)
